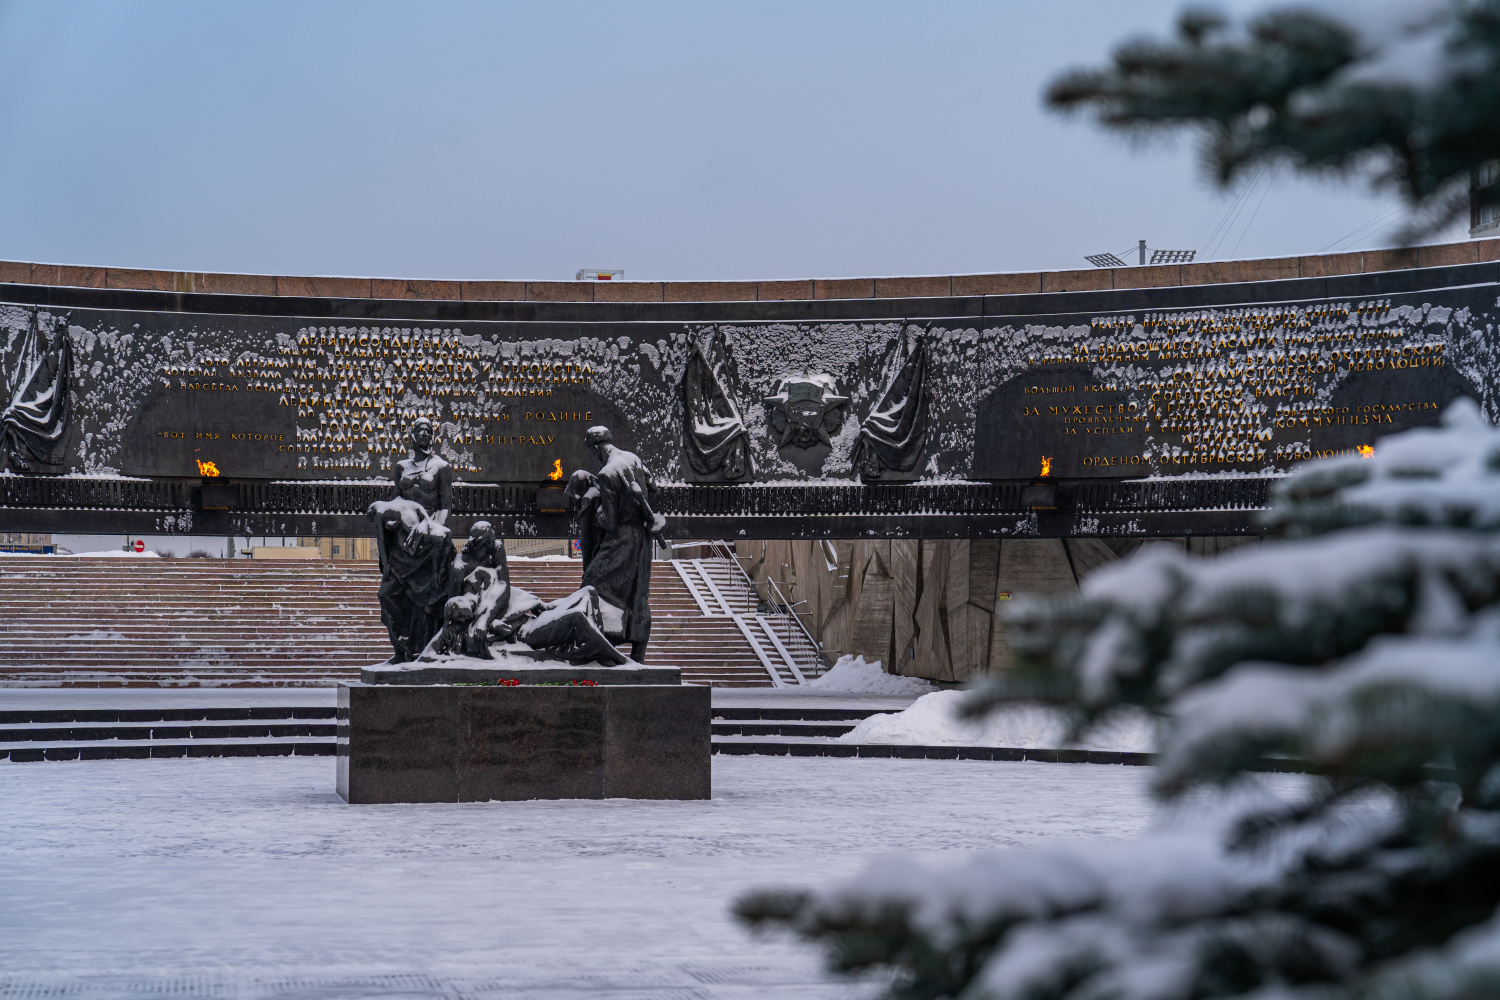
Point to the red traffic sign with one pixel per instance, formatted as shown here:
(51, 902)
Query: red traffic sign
(140, 546)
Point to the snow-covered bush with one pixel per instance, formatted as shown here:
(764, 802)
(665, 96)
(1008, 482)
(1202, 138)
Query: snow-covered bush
(941, 718)
(1367, 647)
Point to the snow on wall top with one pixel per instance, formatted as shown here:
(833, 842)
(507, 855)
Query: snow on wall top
(1241, 390)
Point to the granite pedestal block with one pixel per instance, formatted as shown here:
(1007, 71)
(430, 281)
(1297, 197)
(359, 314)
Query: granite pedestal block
(440, 743)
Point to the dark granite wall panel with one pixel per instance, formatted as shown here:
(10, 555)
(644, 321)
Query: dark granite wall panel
(1212, 378)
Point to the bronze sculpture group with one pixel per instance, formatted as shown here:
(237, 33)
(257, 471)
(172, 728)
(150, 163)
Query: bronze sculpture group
(436, 603)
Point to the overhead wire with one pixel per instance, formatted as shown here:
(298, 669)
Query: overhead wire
(1379, 219)
(1269, 185)
(1227, 212)
(1224, 222)
(1222, 234)
(1225, 216)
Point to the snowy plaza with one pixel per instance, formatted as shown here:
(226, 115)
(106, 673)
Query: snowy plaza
(773, 501)
(250, 878)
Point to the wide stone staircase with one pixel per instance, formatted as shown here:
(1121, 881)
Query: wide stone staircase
(793, 729)
(100, 622)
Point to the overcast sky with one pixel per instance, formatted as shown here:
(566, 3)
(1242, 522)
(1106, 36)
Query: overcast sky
(677, 141)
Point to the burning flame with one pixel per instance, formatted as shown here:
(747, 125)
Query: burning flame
(1365, 450)
(207, 468)
(556, 472)
(1046, 466)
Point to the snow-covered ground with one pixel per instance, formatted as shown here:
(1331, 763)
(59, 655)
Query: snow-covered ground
(250, 878)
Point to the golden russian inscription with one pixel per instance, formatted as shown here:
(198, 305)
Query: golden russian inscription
(1240, 388)
(355, 393)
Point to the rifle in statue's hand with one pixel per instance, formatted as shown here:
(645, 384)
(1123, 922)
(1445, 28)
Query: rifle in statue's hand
(657, 523)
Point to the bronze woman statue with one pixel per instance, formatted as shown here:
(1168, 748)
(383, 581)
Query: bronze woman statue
(425, 477)
(416, 547)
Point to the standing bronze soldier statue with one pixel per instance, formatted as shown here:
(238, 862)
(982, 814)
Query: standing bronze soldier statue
(619, 526)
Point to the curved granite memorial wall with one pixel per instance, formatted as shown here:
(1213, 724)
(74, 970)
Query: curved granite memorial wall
(1238, 378)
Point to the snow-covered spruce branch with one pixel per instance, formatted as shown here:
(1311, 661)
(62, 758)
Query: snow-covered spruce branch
(1370, 654)
(1179, 914)
(1400, 92)
(1429, 477)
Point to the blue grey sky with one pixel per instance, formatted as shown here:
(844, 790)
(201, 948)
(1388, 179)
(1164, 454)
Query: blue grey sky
(679, 141)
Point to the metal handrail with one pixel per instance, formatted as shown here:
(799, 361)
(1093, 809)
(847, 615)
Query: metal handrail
(797, 631)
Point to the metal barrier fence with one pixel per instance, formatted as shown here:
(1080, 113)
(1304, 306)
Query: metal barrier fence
(673, 501)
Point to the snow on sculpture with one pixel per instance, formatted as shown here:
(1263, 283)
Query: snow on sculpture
(415, 545)
(491, 619)
(620, 528)
(804, 411)
(38, 416)
(1366, 652)
(713, 432)
(893, 435)
(437, 605)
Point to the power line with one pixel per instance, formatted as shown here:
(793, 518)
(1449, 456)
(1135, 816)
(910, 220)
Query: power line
(1269, 185)
(1212, 230)
(1382, 217)
(1230, 212)
(1239, 210)
(1250, 192)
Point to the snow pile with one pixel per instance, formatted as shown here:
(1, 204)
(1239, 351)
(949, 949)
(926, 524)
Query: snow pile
(935, 720)
(853, 675)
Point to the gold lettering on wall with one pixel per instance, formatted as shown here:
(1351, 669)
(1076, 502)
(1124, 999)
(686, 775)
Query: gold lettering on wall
(1215, 387)
(357, 391)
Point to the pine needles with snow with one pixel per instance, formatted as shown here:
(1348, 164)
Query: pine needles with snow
(1366, 649)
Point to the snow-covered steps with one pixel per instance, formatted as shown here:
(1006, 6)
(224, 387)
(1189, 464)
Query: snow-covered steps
(801, 729)
(800, 722)
(832, 748)
(789, 725)
(152, 732)
(72, 724)
(228, 623)
(155, 751)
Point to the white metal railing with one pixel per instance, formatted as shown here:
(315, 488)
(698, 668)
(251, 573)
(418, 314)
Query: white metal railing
(778, 615)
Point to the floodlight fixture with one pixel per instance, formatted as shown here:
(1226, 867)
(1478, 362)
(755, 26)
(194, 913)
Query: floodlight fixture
(1157, 256)
(596, 274)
